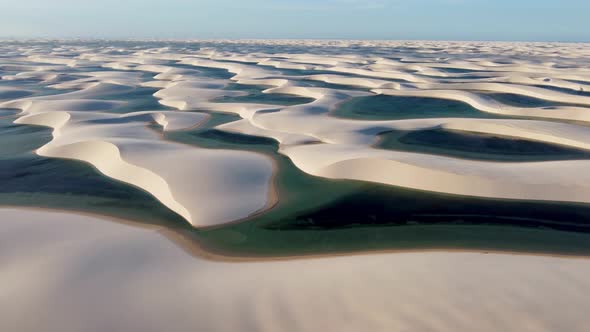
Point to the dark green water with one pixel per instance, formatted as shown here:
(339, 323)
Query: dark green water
(138, 99)
(517, 100)
(30, 180)
(374, 217)
(315, 215)
(382, 107)
(255, 94)
(322, 216)
(473, 145)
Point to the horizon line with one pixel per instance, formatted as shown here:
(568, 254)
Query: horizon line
(161, 39)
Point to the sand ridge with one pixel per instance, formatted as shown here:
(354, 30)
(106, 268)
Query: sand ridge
(211, 187)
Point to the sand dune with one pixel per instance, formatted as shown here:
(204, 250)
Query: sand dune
(486, 104)
(553, 181)
(92, 120)
(206, 187)
(99, 275)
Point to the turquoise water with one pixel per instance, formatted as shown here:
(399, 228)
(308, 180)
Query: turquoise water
(516, 100)
(313, 215)
(317, 215)
(255, 94)
(382, 107)
(477, 146)
(31, 180)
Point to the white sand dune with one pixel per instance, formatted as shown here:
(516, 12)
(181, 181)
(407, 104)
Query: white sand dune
(211, 187)
(486, 104)
(550, 132)
(553, 181)
(362, 82)
(523, 90)
(206, 187)
(98, 275)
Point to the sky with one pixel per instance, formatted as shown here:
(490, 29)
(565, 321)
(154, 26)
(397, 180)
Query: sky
(521, 20)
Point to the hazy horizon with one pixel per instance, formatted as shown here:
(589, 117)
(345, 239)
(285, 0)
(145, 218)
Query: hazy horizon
(448, 20)
(220, 39)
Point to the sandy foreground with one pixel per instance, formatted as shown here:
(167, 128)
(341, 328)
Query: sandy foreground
(67, 272)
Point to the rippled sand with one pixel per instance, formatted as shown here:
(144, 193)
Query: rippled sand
(66, 272)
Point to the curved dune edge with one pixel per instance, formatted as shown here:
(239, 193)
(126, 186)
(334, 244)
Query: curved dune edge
(195, 183)
(315, 140)
(185, 239)
(552, 181)
(106, 157)
(535, 181)
(86, 262)
(481, 103)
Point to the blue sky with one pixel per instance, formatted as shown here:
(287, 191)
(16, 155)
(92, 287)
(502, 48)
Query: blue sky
(536, 20)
